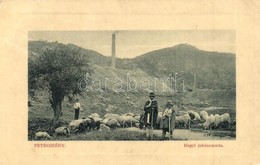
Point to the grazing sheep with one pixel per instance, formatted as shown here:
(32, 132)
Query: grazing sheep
(194, 115)
(218, 120)
(225, 120)
(105, 121)
(129, 114)
(79, 125)
(183, 120)
(94, 123)
(104, 128)
(63, 131)
(111, 116)
(204, 115)
(210, 121)
(94, 115)
(129, 121)
(112, 124)
(42, 135)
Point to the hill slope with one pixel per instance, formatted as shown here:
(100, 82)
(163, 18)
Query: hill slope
(213, 70)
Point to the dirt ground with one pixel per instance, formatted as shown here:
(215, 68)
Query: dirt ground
(183, 134)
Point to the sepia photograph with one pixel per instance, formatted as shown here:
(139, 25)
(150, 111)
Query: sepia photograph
(112, 82)
(132, 85)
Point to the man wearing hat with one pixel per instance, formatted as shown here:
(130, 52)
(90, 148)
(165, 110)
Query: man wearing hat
(77, 108)
(167, 123)
(150, 115)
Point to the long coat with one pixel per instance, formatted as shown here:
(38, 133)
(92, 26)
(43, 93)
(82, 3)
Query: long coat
(164, 123)
(150, 112)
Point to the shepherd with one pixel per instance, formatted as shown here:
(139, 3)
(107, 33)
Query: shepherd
(167, 123)
(77, 108)
(150, 115)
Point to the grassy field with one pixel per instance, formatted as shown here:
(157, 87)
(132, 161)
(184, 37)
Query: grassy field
(40, 113)
(126, 134)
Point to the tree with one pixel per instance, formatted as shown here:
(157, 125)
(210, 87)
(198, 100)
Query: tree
(58, 69)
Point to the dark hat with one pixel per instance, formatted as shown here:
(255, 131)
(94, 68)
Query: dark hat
(151, 94)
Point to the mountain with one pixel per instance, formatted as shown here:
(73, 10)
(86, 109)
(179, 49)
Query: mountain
(36, 47)
(210, 70)
(215, 77)
(213, 70)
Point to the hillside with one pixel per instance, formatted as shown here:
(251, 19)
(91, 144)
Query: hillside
(213, 70)
(215, 74)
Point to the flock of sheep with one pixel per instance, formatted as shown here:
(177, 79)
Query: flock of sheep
(113, 121)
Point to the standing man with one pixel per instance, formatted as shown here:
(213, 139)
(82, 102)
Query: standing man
(150, 115)
(77, 108)
(167, 123)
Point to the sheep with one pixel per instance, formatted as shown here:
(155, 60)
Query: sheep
(111, 116)
(204, 115)
(112, 124)
(105, 121)
(218, 120)
(63, 131)
(104, 128)
(42, 135)
(128, 121)
(129, 114)
(194, 115)
(224, 120)
(183, 120)
(94, 115)
(94, 123)
(210, 121)
(79, 125)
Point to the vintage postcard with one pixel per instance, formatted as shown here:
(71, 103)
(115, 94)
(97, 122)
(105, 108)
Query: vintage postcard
(127, 82)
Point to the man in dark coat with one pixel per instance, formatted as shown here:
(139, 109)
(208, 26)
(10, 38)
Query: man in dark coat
(150, 115)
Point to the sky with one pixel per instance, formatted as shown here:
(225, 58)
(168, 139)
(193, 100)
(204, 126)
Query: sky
(130, 44)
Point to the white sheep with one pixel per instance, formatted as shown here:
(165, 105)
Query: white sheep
(105, 121)
(204, 115)
(218, 120)
(183, 120)
(112, 123)
(129, 114)
(103, 128)
(64, 131)
(111, 116)
(42, 135)
(225, 120)
(210, 121)
(129, 121)
(97, 119)
(194, 115)
(79, 124)
(94, 115)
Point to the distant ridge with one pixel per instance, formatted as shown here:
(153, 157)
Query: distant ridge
(214, 70)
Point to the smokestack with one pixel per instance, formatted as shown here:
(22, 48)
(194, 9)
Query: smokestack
(114, 50)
